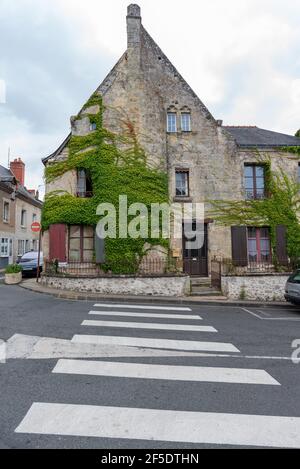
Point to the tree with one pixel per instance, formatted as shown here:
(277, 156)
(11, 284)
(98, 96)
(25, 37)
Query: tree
(297, 134)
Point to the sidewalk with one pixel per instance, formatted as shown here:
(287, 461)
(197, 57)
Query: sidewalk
(32, 285)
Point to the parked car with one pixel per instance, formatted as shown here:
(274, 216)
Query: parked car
(29, 262)
(292, 288)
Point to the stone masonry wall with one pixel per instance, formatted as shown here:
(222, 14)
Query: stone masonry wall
(152, 286)
(255, 287)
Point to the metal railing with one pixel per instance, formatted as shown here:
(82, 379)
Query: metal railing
(145, 267)
(225, 267)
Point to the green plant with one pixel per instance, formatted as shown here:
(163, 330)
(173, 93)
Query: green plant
(117, 165)
(243, 295)
(13, 269)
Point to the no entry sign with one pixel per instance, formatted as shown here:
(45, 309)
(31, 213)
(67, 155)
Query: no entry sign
(36, 227)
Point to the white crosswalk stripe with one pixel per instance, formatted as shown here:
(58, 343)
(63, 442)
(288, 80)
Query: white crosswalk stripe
(150, 308)
(152, 424)
(144, 325)
(146, 315)
(177, 373)
(161, 425)
(156, 343)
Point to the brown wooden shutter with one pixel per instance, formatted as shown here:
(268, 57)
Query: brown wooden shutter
(239, 245)
(281, 245)
(57, 234)
(100, 250)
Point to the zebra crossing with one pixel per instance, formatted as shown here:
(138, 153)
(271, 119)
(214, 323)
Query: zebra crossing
(149, 424)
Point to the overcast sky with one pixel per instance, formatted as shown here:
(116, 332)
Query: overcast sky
(241, 57)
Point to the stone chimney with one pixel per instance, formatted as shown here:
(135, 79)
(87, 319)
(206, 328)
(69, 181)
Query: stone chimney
(134, 23)
(17, 167)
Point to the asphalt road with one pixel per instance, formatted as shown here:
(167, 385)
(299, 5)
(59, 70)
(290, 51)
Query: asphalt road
(237, 388)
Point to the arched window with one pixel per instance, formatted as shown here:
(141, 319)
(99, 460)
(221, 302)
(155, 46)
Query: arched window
(84, 184)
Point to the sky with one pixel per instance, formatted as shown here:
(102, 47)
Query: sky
(242, 58)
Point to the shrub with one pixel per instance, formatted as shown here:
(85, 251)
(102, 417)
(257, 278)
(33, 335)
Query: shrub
(13, 269)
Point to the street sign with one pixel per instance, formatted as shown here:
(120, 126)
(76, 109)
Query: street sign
(36, 227)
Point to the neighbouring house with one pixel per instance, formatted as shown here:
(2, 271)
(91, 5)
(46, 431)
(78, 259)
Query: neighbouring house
(202, 159)
(19, 208)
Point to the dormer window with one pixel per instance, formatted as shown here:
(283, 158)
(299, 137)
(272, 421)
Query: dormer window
(172, 122)
(93, 126)
(84, 184)
(186, 122)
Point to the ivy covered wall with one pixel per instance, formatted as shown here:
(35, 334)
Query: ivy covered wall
(117, 166)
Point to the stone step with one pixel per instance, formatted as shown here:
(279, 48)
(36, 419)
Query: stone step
(201, 281)
(204, 291)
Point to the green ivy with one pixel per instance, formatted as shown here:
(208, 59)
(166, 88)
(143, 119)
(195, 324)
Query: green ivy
(113, 172)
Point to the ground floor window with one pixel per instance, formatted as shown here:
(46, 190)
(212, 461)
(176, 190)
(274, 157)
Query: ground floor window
(81, 243)
(4, 247)
(259, 245)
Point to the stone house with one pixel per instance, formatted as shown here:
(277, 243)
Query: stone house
(19, 208)
(204, 160)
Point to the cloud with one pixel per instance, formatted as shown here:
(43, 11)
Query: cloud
(241, 58)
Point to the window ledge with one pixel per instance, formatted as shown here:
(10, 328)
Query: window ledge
(182, 199)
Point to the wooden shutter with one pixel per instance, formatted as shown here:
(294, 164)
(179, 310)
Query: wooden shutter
(100, 250)
(57, 234)
(281, 245)
(239, 245)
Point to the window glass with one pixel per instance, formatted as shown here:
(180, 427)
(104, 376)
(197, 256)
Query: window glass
(182, 184)
(172, 122)
(254, 181)
(186, 122)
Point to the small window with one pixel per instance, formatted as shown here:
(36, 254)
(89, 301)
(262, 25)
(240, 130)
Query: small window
(172, 122)
(182, 183)
(255, 186)
(24, 218)
(186, 122)
(93, 126)
(6, 212)
(259, 245)
(34, 218)
(4, 247)
(84, 184)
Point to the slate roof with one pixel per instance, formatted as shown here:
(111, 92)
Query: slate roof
(7, 177)
(249, 137)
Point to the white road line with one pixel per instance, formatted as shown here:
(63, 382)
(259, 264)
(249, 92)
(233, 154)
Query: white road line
(151, 308)
(141, 325)
(270, 319)
(177, 373)
(161, 425)
(146, 315)
(156, 343)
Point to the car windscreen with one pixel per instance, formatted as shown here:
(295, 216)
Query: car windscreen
(295, 278)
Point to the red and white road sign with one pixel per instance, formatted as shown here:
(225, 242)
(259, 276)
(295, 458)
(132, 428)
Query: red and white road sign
(36, 227)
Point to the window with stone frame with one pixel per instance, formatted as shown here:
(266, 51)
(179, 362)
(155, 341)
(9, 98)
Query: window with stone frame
(171, 122)
(255, 181)
(24, 218)
(186, 125)
(182, 183)
(6, 212)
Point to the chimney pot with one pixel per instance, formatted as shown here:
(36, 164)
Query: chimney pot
(219, 123)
